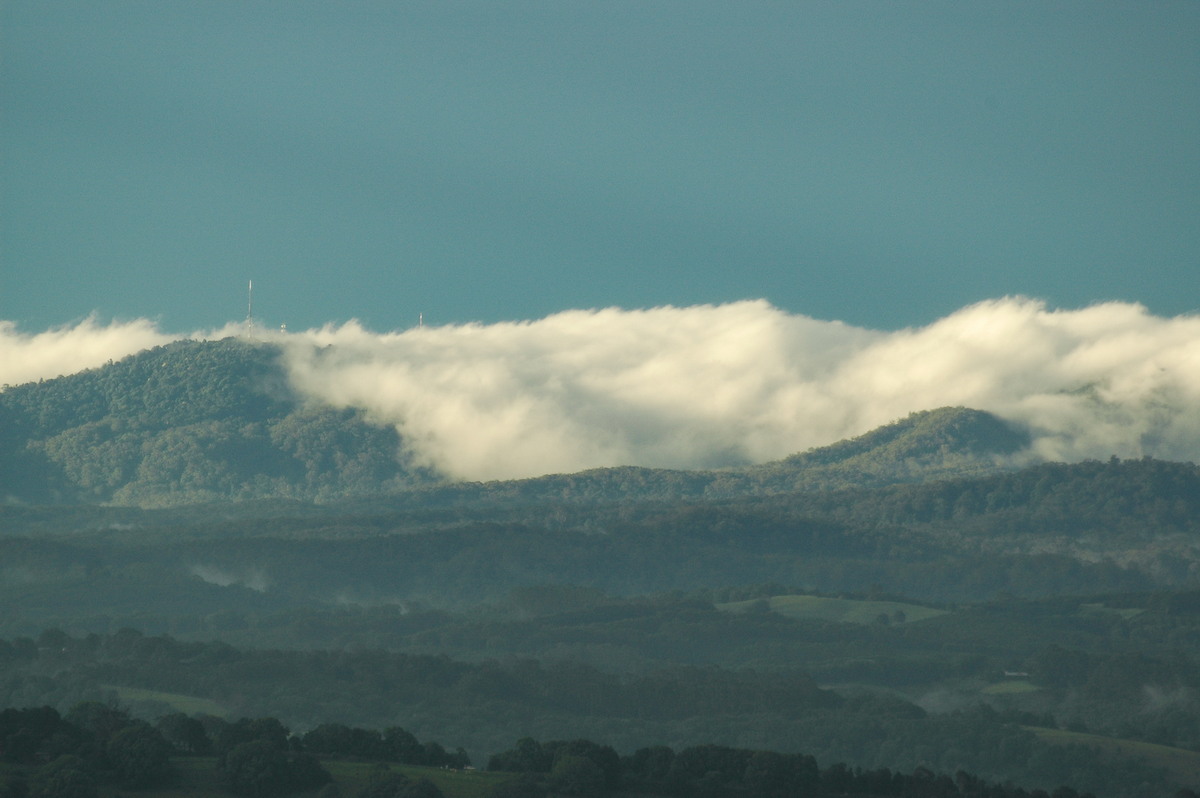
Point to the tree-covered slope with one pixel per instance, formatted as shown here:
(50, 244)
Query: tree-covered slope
(949, 442)
(198, 421)
(932, 445)
(188, 422)
(1047, 530)
(925, 437)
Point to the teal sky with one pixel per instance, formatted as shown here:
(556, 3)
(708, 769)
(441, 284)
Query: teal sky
(880, 163)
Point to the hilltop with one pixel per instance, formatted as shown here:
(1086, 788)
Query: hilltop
(202, 421)
(188, 422)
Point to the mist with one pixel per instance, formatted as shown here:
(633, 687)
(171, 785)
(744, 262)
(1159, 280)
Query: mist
(746, 383)
(71, 348)
(720, 385)
(26, 357)
(251, 578)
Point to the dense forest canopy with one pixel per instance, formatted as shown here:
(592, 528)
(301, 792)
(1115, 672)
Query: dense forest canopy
(183, 423)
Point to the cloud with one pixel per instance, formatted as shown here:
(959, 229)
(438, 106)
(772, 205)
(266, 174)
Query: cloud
(68, 349)
(253, 578)
(1108, 379)
(746, 382)
(678, 387)
(716, 385)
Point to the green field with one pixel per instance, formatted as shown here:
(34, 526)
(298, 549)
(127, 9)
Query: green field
(1011, 687)
(1126, 613)
(1182, 764)
(837, 609)
(187, 704)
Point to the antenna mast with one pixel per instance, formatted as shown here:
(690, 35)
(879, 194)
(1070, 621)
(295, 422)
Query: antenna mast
(250, 310)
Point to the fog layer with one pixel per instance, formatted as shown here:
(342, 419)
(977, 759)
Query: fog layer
(719, 385)
(747, 382)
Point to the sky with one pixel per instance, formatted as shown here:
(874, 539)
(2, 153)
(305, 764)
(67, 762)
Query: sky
(885, 165)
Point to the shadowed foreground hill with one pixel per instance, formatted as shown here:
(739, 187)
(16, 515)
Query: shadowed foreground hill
(200, 421)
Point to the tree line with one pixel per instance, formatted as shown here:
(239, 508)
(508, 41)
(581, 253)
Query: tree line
(479, 703)
(96, 745)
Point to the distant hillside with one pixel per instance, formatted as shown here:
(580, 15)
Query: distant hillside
(952, 442)
(207, 421)
(923, 439)
(188, 422)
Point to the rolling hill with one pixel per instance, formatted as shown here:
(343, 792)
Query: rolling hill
(201, 421)
(189, 422)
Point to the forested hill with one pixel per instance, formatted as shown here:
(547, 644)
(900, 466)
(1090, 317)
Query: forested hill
(188, 422)
(199, 421)
(952, 442)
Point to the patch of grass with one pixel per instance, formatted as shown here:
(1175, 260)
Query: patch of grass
(842, 610)
(1125, 612)
(1182, 764)
(188, 704)
(1011, 687)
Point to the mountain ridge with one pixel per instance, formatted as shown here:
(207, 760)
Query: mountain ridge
(202, 421)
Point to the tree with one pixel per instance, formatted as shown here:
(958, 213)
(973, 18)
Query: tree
(139, 756)
(65, 777)
(651, 765)
(767, 774)
(602, 756)
(576, 775)
(250, 729)
(334, 739)
(100, 720)
(185, 734)
(401, 746)
(715, 765)
(260, 769)
(527, 757)
(256, 769)
(27, 734)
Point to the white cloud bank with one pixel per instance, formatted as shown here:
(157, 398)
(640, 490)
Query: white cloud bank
(737, 383)
(68, 349)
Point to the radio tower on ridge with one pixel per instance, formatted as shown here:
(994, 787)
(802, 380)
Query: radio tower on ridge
(250, 310)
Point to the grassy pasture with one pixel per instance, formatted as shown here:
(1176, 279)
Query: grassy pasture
(1011, 687)
(837, 609)
(188, 704)
(1127, 613)
(1182, 764)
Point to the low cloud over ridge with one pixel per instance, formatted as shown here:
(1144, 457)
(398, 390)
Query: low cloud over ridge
(720, 385)
(26, 357)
